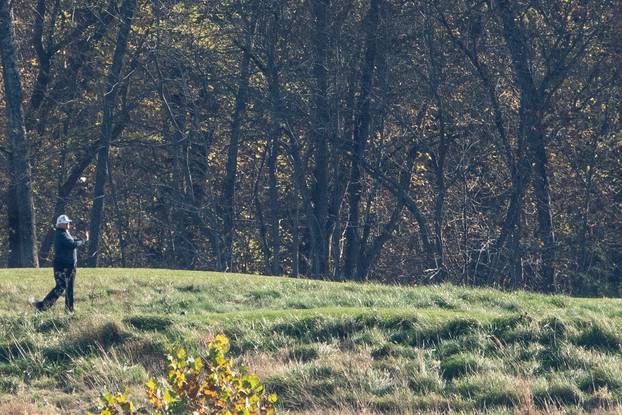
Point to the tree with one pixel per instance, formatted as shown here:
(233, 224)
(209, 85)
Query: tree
(110, 100)
(468, 141)
(359, 140)
(21, 215)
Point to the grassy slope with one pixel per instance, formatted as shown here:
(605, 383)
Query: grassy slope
(323, 347)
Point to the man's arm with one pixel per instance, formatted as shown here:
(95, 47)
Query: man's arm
(80, 242)
(69, 242)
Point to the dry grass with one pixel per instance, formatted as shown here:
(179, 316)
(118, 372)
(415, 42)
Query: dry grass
(15, 406)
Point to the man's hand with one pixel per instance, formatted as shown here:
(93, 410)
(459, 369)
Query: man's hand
(86, 235)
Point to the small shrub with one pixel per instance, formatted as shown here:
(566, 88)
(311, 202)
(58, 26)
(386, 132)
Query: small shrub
(195, 386)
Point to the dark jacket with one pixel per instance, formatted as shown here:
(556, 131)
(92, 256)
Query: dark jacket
(65, 246)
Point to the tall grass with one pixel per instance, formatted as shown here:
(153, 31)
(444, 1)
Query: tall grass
(324, 347)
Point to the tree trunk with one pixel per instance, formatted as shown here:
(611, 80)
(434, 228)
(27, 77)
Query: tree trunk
(110, 99)
(371, 252)
(273, 194)
(44, 63)
(261, 225)
(319, 133)
(275, 133)
(174, 109)
(358, 143)
(438, 159)
(228, 187)
(120, 221)
(22, 235)
(334, 215)
(531, 128)
(545, 220)
(339, 160)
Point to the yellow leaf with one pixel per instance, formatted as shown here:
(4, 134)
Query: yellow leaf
(151, 385)
(198, 364)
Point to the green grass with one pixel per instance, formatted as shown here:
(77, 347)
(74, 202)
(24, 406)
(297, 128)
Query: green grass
(324, 347)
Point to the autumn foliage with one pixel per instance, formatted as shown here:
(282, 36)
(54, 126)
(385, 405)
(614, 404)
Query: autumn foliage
(196, 386)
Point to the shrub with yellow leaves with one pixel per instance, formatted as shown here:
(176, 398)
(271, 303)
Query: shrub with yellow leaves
(198, 387)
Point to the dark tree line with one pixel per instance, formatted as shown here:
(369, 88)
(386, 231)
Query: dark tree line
(469, 141)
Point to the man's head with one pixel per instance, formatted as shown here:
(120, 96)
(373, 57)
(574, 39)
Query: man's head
(63, 222)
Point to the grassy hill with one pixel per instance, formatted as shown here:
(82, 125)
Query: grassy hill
(323, 347)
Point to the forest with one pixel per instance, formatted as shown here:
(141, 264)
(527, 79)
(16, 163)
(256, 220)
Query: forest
(476, 142)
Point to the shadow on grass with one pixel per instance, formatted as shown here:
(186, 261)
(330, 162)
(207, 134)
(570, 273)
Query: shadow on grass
(597, 337)
(88, 340)
(148, 323)
(14, 349)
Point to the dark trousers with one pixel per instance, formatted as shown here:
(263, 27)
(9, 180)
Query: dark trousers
(64, 277)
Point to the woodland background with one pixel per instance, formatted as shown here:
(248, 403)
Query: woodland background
(476, 142)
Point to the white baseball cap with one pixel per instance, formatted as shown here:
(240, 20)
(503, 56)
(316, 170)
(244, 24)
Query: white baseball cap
(62, 219)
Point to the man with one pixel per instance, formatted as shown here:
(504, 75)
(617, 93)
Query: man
(65, 261)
